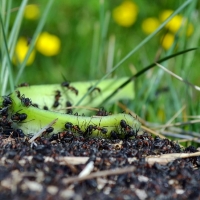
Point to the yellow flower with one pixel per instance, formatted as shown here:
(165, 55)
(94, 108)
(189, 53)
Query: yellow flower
(150, 24)
(125, 14)
(175, 23)
(21, 50)
(48, 44)
(168, 40)
(31, 12)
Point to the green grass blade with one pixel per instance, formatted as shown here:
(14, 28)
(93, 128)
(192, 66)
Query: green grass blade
(7, 21)
(94, 52)
(146, 69)
(37, 32)
(11, 46)
(139, 45)
(9, 63)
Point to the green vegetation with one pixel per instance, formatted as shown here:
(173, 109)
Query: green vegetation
(94, 40)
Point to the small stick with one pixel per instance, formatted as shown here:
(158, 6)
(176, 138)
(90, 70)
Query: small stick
(178, 77)
(87, 170)
(42, 130)
(111, 172)
(166, 158)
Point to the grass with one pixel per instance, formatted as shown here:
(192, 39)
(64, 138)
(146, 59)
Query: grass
(85, 48)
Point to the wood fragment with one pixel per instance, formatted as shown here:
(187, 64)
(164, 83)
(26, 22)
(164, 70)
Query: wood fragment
(42, 130)
(111, 172)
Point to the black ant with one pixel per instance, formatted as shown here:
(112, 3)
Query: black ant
(7, 101)
(96, 88)
(55, 104)
(45, 108)
(4, 111)
(48, 130)
(18, 133)
(102, 112)
(25, 101)
(102, 130)
(128, 130)
(18, 93)
(35, 105)
(70, 126)
(23, 85)
(88, 130)
(18, 117)
(67, 85)
(4, 122)
(114, 135)
(66, 135)
(57, 97)
(69, 110)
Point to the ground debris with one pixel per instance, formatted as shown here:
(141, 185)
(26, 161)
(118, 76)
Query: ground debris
(120, 169)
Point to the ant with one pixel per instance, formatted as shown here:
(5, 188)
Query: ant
(25, 101)
(96, 88)
(18, 133)
(7, 101)
(102, 130)
(57, 97)
(67, 85)
(66, 135)
(18, 93)
(23, 85)
(45, 108)
(35, 105)
(4, 111)
(48, 130)
(55, 104)
(102, 112)
(88, 130)
(128, 130)
(4, 122)
(18, 117)
(70, 126)
(68, 104)
(114, 135)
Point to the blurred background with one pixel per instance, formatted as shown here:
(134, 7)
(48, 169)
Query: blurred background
(83, 40)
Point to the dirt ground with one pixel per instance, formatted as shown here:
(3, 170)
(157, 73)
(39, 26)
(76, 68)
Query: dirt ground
(78, 168)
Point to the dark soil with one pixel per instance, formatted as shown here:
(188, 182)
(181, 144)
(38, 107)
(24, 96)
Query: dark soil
(41, 170)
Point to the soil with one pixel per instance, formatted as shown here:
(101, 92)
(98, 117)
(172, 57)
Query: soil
(69, 167)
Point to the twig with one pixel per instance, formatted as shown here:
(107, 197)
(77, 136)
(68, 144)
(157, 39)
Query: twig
(111, 172)
(178, 77)
(153, 132)
(177, 135)
(174, 117)
(166, 158)
(42, 130)
(183, 132)
(127, 110)
(178, 124)
(87, 170)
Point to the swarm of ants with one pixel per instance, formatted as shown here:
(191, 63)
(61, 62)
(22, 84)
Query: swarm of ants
(41, 171)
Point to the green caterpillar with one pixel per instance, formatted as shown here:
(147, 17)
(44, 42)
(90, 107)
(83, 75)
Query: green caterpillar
(25, 98)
